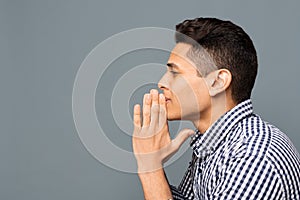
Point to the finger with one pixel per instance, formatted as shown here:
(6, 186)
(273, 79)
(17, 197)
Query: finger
(182, 136)
(154, 108)
(137, 117)
(146, 110)
(162, 110)
(154, 95)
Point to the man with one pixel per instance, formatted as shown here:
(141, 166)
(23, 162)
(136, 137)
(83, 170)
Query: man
(236, 155)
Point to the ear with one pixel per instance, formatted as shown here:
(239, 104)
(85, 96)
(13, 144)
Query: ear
(218, 81)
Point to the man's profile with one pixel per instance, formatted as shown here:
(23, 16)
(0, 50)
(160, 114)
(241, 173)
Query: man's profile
(236, 155)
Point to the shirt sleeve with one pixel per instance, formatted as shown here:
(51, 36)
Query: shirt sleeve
(249, 177)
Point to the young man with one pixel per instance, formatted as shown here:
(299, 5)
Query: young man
(236, 155)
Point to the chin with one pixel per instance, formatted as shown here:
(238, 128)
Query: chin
(173, 117)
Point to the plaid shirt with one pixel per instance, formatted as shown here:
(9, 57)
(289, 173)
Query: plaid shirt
(241, 157)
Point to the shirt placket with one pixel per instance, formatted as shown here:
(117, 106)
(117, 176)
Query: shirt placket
(197, 173)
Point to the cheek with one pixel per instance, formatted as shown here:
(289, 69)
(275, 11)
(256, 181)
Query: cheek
(186, 93)
(191, 94)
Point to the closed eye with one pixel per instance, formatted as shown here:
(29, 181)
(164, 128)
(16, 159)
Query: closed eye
(171, 66)
(173, 72)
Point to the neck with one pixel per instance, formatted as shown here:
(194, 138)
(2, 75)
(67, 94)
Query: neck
(218, 107)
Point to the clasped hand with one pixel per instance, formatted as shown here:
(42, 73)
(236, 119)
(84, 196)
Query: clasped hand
(151, 140)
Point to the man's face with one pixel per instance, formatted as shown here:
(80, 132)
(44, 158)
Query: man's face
(185, 91)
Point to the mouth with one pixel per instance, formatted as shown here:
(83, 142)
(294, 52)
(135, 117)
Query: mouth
(168, 100)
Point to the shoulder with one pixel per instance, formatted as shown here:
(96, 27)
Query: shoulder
(260, 138)
(262, 142)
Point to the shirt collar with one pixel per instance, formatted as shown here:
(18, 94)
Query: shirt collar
(206, 143)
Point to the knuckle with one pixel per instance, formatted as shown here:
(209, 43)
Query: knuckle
(146, 112)
(155, 108)
(162, 111)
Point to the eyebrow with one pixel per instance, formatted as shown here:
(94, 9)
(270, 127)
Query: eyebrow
(172, 65)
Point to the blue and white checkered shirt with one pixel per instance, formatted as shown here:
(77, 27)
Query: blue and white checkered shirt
(241, 157)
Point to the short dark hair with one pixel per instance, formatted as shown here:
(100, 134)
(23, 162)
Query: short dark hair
(228, 45)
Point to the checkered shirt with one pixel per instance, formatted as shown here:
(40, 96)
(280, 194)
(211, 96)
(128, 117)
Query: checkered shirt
(241, 157)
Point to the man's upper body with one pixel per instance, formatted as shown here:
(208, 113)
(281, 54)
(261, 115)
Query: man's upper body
(210, 75)
(241, 157)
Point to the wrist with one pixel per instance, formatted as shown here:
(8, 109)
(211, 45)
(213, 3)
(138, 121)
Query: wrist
(150, 174)
(155, 185)
(148, 164)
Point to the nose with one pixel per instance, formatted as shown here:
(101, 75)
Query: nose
(162, 84)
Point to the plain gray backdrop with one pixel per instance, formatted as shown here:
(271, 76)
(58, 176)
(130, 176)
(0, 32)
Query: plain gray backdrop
(42, 45)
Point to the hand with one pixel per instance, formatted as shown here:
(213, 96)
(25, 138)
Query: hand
(151, 140)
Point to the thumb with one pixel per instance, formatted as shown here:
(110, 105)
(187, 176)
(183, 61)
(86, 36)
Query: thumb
(182, 136)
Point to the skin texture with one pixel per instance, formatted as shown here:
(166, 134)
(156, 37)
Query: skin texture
(186, 96)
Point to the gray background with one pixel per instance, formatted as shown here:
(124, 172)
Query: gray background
(43, 43)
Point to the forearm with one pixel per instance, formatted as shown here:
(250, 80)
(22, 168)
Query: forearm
(155, 185)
